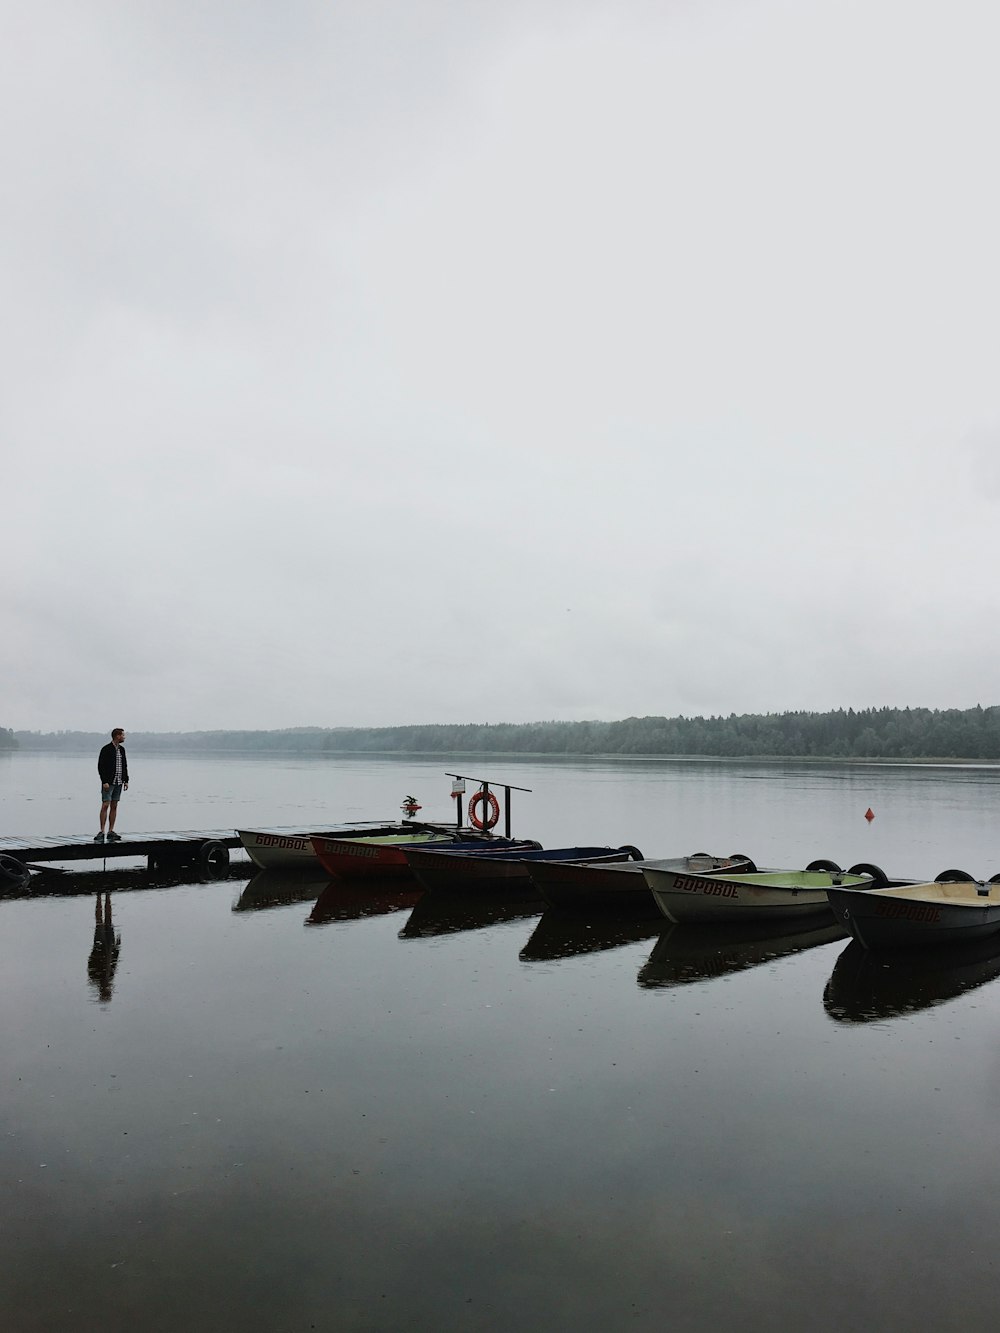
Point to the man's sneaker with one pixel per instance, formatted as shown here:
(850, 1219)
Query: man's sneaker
(114, 837)
(98, 837)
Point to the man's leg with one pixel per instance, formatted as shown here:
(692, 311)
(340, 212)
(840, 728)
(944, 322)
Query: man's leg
(105, 807)
(112, 811)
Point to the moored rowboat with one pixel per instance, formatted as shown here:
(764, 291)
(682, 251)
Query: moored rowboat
(717, 896)
(470, 869)
(291, 848)
(916, 914)
(373, 858)
(617, 886)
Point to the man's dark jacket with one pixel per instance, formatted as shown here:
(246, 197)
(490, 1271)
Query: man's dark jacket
(106, 763)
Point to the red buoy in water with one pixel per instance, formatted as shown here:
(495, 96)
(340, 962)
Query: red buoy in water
(869, 814)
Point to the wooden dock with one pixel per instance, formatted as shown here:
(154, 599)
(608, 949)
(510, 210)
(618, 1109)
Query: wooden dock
(207, 851)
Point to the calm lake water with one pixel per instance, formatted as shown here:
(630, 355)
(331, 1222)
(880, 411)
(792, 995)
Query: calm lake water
(227, 1106)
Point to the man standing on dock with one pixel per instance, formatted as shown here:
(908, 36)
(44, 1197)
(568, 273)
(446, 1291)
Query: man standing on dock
(113, 769)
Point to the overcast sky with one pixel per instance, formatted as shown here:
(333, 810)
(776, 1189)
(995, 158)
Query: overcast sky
(386, 361)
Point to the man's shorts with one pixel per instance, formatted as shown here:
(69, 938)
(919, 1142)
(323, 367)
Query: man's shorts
(112, 793)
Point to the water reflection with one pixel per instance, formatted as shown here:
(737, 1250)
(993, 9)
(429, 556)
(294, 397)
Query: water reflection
(689, 953)
(444, 913)
(107, 946)
(352, 899)
(868, 985)
(50, 882)
(277, 888)
(563, 934)
(63, 882)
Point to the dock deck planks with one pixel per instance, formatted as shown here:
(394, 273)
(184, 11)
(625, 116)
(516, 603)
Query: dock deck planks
(76, 847)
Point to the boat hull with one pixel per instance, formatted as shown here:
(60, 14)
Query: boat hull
(447, 871)
(685, 896)
(291, 849)
(371, 858)
(617, 886)
(919, 914)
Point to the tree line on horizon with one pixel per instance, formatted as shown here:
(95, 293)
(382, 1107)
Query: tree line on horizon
(868, 733)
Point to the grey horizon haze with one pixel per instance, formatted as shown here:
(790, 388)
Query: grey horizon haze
(382, 363)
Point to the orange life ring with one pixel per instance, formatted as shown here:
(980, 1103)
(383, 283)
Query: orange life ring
(484, 798)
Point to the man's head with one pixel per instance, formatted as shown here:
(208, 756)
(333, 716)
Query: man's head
(118, 735)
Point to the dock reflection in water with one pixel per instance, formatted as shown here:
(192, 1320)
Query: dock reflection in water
(443, 913)
(867, 985)
(689, 953)
(354, 899)
(71, 882)
(564, 934)
(277, 888)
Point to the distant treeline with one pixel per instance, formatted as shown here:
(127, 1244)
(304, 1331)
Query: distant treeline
(8, 741)
(869, 733)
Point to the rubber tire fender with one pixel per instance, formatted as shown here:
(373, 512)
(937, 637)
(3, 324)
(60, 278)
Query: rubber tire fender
(749, 866)
(213, 859)
(14, 874)
(880, 880)
(822, 864)
(952, 877)
(633, 852)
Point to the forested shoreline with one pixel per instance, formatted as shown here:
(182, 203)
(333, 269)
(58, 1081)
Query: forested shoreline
(871, 733)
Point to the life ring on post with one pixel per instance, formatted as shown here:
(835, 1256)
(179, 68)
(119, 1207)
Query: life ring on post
(484, 798)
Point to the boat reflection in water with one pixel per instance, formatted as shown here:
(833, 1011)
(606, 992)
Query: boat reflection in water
(689, 953)
(444, 913)
(866, 986)
(564, 933)
(278, 888)
(353, 899)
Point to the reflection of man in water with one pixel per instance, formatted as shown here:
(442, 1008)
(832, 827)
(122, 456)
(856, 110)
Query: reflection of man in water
(104, 955)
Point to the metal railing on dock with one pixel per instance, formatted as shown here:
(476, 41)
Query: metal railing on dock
(485, 786)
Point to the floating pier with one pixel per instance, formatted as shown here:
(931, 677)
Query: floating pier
(206, 851)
